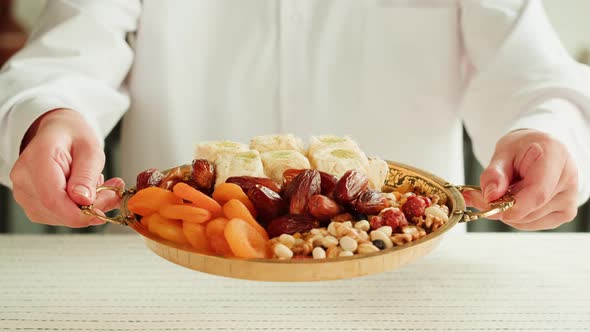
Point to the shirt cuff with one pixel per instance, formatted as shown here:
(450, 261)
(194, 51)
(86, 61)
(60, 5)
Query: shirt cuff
(564, 121)
(22, 115)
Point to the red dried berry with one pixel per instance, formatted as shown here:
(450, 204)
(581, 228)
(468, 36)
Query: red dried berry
(376, 222)
(414, 207)
(426, 200)
(394, 217)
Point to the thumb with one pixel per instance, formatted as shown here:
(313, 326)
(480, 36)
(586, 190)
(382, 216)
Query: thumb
(496, 178)
(87, 164)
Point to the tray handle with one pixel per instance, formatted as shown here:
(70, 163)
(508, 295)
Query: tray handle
(119, 219)
(500, 205)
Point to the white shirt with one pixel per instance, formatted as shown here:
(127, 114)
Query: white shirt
(399, 76)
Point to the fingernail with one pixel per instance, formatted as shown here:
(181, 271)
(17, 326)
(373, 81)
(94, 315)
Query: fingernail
(489, 190)
(82, 190)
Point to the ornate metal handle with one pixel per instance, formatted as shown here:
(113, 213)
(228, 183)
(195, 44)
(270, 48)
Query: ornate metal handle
(500, 205)
(119, 219)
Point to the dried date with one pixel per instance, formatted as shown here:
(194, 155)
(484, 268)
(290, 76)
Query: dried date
(149, 178)
(291, 224)
(371, 202)
(174, 176)
(290, 174)
(329, 182)
(248, 182)
(349, 187)
(305, 185)
(322, 207)
(202, 175)
(267, 202)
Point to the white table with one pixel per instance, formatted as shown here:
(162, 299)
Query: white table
(473, 282)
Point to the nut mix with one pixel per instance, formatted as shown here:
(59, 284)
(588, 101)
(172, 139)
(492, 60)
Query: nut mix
(311, 214)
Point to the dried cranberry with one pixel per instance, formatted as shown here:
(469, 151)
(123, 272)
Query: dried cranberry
(414, 207)
(393, 217)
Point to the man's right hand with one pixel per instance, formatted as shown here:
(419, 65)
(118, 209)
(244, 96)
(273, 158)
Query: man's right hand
(59, 169)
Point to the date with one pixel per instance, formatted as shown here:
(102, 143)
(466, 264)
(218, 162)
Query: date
(323, 208)
(202, 175)
(371, 202)
(350, 186)
(291, 224)
(267, 202)
(149, 178)
(249, 182)
(304, 185)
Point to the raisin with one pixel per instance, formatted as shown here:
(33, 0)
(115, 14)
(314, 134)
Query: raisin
(379, 244)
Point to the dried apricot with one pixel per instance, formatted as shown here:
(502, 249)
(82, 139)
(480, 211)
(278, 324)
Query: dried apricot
(215, 233)
(168, 229)
(216, 226)
(197, 198)
(149, 200)
(185, 213)
(196, 236)
(220, 246)
(228, 191)
(244, 240)
(236, 209)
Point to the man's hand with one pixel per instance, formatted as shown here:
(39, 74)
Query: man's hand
(541, 174)
(59, 169)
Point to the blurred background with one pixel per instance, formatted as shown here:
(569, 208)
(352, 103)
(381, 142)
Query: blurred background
(569, 17)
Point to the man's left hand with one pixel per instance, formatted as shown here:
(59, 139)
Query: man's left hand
(541, 174)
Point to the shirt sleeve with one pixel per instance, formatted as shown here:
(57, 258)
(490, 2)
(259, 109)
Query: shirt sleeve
(77, 57)
(520, 76)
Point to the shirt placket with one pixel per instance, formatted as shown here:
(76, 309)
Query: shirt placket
(293, 95)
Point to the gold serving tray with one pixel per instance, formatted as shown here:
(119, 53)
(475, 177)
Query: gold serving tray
(400, 176)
